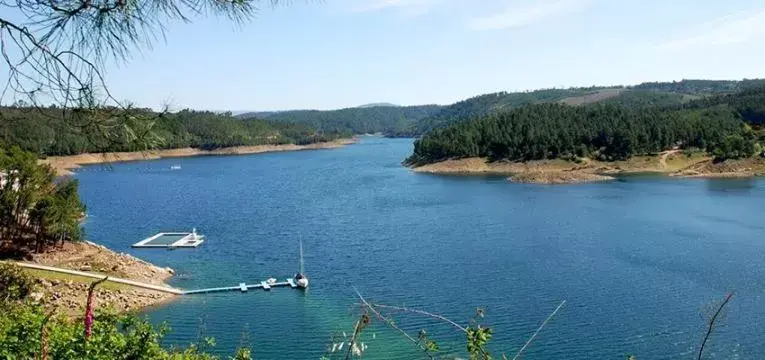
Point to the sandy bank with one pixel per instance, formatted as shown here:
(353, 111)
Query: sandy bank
(729, 169)
(63, 164)
(67, 293)
(535, 172)
(671, 163)
(557, 177)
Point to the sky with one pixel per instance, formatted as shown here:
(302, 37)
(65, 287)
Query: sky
(331, 54)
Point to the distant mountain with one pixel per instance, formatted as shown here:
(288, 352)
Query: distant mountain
(255, 114)
(388, 120)
(383, 104)
(495, 102)
(640, 120)
(645, 94)
(393, 120)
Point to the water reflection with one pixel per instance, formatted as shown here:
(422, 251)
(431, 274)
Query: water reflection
(742, 185)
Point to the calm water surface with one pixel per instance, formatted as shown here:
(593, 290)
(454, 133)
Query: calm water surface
(639, 261)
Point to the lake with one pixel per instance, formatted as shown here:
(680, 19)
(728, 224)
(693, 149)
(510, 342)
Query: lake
(640, 261)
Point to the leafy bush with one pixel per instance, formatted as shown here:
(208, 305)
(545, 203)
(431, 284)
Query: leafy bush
(14, 283)
(27, 331)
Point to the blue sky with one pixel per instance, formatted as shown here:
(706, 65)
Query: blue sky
(341, 53)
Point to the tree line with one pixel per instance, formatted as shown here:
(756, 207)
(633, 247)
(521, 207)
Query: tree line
(697, 86)
(602, 131)
(52, 131)
(36, 210)
(645, 95)
(485, 104)
(388, 120)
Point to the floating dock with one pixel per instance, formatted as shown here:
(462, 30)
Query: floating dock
(244, 287)
(171, 240)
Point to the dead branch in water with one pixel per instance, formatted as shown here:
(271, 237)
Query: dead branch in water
(435, 316)
(712, 321)
(538, 330)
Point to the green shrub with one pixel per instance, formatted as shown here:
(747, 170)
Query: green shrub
(114, 336)
(14, 283)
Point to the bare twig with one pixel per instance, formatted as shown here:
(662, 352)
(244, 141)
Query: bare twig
(388, 321)
(712, 322)
(356, 330)
(435, 316)
(538, 330)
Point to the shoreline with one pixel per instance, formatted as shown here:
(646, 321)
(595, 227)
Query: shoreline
(67, 293)
(63, 165)
(672, 163)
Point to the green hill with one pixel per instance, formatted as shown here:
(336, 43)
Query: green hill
(605, 131)
(48, 131)
(389, 120)
(642, 95)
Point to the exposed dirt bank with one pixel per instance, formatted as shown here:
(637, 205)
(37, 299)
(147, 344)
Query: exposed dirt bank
(68, 293)
(671, 163)
(63, 164)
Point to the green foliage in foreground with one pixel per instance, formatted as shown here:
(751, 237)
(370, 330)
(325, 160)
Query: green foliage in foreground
(29, 331)
(15, 285)
(52, 131)
(114, 337)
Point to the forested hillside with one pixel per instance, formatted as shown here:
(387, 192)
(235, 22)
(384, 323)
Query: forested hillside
(389, 120)
(642, 95)
(601, 131)
(413, 121)
(701, 87)
(51, 132)
(45, 132)
(488, 103)
(749, 104)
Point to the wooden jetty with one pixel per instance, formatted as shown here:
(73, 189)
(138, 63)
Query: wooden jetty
(244, 287)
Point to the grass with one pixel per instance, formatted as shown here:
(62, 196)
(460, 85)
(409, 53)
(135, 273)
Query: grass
(52, 275)
(683, 160)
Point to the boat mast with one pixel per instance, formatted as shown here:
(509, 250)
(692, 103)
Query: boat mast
(301, 256)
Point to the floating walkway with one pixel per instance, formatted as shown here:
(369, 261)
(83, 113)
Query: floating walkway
(166, 289)
(244, 287)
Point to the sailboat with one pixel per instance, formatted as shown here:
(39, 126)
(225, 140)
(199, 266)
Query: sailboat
(300, 279)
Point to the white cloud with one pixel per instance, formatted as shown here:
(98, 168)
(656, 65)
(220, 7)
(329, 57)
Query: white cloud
(518, 16)
(741, 28)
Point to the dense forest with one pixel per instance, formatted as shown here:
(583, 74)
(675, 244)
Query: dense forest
(601, 131)
(413, 121)
(368, 119)
(749, 104)
(649, 98)
(696, 87)
(642, 95)
(488, 103)
(50, 132)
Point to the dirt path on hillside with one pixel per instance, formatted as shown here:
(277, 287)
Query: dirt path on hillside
(663, 157)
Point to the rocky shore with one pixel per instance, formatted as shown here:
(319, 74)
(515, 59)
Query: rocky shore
(68, 293)
(673, 163)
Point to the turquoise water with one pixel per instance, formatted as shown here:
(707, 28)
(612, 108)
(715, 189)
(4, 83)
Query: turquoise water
(639, 261)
